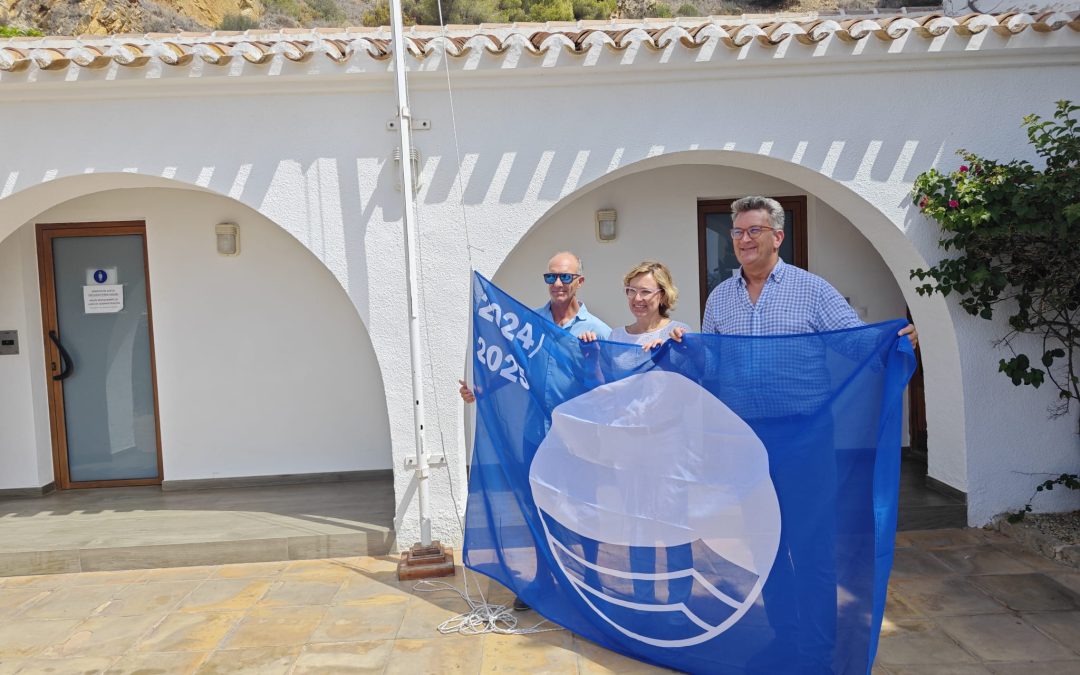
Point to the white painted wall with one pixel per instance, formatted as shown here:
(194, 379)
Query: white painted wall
(263, 365)
(306, 146)
(24, 433)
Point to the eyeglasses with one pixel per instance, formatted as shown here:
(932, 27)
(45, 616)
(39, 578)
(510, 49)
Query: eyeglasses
(754, 232)
(644, 293)
(565, 277)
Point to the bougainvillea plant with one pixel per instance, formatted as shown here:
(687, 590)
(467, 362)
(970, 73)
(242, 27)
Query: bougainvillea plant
(1013, 233)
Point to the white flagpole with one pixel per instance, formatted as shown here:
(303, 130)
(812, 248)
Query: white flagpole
(404, 118)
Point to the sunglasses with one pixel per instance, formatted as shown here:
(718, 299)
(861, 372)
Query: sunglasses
(565, 277)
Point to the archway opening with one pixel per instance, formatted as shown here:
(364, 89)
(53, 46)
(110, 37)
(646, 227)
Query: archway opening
(264, 367)
(659, 205)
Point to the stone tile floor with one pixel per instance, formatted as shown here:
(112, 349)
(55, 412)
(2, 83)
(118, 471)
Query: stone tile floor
(960, 602)
(122, 528)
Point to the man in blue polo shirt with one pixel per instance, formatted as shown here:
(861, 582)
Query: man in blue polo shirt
(564, 277)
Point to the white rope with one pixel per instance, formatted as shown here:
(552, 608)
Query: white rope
(457, 141)
(482, 617)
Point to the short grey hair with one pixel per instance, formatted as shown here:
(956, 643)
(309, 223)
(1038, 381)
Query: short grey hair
(756, 203)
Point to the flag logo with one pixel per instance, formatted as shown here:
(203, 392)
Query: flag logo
(667, 528)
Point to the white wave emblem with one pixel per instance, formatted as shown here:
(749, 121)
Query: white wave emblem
(658, 507)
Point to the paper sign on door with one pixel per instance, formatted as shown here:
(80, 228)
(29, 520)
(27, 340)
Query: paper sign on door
(105, 299)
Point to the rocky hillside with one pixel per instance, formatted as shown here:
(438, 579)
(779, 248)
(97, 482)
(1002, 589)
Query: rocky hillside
(102, 17)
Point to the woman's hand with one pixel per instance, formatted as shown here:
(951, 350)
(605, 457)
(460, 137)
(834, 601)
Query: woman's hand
(648, 346)
(677, 333)
(466, 393)
(588, 336)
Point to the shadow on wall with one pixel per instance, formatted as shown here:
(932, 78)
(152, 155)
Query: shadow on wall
(559, 173)
(503, 161)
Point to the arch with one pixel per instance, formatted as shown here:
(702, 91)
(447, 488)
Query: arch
(324, 238)
(370, 447)
(24, 204)
(938, 338)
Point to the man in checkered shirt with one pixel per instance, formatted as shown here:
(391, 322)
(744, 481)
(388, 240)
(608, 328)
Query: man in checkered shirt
(767, 296)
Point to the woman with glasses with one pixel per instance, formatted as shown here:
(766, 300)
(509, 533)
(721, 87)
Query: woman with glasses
(650, 295)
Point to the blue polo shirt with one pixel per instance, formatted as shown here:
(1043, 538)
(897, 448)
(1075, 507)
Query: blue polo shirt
(582, 323)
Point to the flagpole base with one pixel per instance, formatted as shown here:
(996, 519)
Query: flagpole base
(425, 562)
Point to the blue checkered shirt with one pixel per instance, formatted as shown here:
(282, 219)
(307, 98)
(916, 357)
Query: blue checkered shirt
(793, 301)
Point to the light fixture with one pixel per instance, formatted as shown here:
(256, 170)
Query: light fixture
(605, 224)
(228, 239)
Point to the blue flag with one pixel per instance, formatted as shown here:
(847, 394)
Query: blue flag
(723, 505)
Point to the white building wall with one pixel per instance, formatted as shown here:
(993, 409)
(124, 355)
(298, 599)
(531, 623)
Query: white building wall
(305, 144)
(855, 141)
(263, 365)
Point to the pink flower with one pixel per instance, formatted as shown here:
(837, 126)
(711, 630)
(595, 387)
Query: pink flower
(953, 204)
(963, 168)
(923, 202)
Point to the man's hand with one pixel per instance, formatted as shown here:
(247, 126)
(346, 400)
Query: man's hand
(677, 333)
(466, 393)
(588, 336)
(911, 333)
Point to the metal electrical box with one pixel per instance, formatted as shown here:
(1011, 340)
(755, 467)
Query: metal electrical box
(9, 342)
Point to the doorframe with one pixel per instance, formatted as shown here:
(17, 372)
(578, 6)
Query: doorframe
(46, 233)
(917, 447)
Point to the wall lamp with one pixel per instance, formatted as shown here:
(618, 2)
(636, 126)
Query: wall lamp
(605, 224)
(228, 239)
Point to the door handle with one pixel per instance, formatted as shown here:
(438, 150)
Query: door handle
(66, 367)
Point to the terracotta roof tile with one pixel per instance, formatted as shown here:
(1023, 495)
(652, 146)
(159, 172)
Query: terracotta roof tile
(340, 45)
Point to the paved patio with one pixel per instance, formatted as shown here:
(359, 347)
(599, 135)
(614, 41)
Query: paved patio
(961, 601)
(146, 527)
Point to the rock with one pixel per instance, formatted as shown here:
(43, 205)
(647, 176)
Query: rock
(1053, 535)
(102, 17)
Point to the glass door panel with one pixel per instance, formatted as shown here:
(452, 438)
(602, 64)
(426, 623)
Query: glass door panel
(102, 326)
